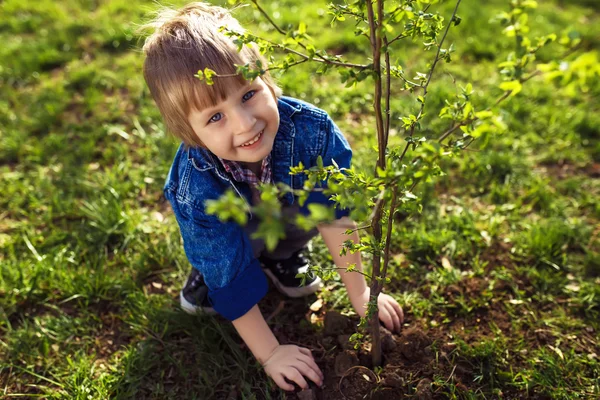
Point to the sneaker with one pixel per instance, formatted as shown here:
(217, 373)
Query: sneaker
(283, 274)
(194, 295)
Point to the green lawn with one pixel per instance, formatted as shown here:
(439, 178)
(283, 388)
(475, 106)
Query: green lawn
(501, 269)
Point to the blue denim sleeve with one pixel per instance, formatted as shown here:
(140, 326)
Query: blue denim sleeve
(223, 254)
(337, 148)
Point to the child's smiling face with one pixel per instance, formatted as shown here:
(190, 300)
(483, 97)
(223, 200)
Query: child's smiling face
(242, 127)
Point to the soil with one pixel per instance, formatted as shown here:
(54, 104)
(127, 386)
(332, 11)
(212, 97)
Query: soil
(409, 363)
(415, 358)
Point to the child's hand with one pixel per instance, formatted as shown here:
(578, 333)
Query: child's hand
(292, 362)
(390, 312)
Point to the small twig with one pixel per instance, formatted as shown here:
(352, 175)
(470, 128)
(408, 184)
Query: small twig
(534, 73)
(400, 36)
(437, 58)
(355, 15)
(413, 125)
(400, 7)
(357, 271)
(277, 310)
(504, 96)
(268, 69)
(449, 131)
(263, 12)
(388, 239)
(415, 85)
(321, 58)
(498, 101)
(451, 374)
(388, 89)
(355, 229)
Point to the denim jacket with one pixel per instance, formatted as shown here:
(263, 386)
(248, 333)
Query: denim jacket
(222, 251)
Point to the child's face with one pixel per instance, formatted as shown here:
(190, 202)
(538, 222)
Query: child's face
(230, 129)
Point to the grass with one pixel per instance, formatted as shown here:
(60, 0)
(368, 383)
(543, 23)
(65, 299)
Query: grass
(505, 256)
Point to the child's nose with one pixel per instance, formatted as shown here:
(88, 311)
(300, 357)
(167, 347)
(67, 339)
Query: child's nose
(244, 122)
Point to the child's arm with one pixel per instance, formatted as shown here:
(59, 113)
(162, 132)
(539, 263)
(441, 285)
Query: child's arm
(334, 235)
(279, 361)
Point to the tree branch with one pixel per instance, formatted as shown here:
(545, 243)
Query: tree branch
(400, 36)
(413, 125)
(386, 254)
(375, 38)
(498, 101)
(263, 12)
(388, 89)
(320, 57)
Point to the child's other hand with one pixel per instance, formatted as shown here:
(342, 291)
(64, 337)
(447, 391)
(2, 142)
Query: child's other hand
(294, 363)
(390, 312)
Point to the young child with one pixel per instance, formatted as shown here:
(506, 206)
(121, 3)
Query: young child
(236, 134)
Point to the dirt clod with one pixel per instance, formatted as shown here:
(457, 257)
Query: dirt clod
(344, 342)
(365, 359)
(424, 390)
(393, 380)
(344, 361)
(388, 343)
(336, 324)
(307, 394)
(413, 344)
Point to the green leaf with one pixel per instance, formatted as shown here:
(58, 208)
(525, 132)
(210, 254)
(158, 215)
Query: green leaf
(320, 212)
(320, 162)
(469, 88)
(302, 27)
(550, 38)
(513, 86)
(509, 31)
(484, 114)
(467, 110)
(208, 74)
(410, 195)
(529, 4)
(228, 207)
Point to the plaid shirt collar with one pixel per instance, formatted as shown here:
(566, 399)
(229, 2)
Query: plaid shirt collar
(243, 174)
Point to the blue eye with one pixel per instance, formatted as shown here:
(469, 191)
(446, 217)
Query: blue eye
(216, 118)
(248, 95)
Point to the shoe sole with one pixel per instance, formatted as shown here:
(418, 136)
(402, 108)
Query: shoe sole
(300, 291)
(192, 309)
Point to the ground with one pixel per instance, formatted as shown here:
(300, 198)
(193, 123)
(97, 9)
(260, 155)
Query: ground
(499, 275)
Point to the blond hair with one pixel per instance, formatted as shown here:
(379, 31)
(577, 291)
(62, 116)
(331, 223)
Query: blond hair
(185, 41)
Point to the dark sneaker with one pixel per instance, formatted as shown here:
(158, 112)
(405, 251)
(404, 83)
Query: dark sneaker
(194, 295)
(283, 274)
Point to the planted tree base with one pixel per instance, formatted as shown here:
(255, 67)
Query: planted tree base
(349, 373)
(424, 361)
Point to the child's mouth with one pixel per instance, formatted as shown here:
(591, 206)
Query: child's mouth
(253, 141)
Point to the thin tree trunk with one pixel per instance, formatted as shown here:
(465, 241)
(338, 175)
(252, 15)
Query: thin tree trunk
(375, 286)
